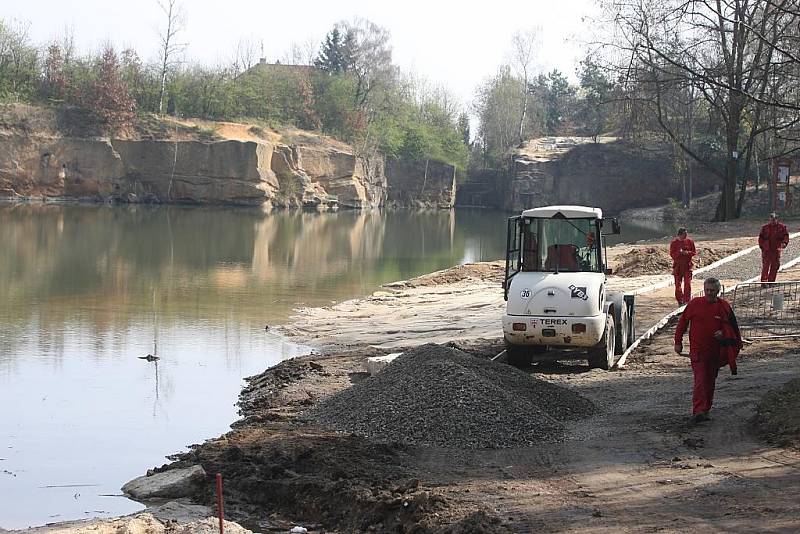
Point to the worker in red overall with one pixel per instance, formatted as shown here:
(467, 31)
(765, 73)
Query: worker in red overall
(772, 239)
(682, 251)
(708, 318)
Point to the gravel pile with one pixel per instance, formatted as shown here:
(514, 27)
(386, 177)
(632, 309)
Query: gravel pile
(749, 265)
(438, 396)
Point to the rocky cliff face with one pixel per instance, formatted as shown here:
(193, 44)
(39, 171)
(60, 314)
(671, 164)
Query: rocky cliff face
(349, 180)
(609, 174)
(62, 168)
(231, 172)
(420, 184)
(221, 172)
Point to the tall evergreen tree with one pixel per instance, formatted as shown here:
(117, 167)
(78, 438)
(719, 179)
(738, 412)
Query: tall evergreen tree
(595, 110)
(331, 57)
(560, 102)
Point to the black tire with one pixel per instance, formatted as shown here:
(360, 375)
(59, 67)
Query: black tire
(632, 326)
(518, 355)
(602, 354)
(622, 340)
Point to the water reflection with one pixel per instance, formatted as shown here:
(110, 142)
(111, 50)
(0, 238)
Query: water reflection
(87, 291)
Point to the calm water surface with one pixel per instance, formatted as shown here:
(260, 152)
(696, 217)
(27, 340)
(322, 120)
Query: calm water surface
(87, 290)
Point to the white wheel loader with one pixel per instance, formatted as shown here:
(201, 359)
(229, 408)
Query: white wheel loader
(555, 287)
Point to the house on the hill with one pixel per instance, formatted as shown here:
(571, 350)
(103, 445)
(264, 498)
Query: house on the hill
(279, 69)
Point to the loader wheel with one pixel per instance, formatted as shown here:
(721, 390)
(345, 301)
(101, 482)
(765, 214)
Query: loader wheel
(622, 340)
(632, 326)
(602, 354)
(518, 356)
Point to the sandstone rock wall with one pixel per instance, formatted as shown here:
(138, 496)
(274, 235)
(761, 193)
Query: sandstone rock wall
(45, 167)
(420, 184)
(351, 181)
(229, 172)
(610, 174)
(220, 172)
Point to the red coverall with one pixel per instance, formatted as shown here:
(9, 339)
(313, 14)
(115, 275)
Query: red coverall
(705, 318)
(772, 239)
(682, 251)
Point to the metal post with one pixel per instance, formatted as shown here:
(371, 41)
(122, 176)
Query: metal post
(774, 183)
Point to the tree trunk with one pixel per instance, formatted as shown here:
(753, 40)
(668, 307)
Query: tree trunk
(743, 187)
(729, 191)
(727, 207)
(758, 171)
(162, 90)
(425, 179)
(524, 108)
(749, 154)
(165, 52)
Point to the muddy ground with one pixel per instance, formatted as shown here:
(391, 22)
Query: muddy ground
(637, 465)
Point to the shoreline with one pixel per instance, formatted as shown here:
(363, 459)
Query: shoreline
(467, 280)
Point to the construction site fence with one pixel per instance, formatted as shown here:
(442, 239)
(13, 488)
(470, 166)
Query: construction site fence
(767, 310)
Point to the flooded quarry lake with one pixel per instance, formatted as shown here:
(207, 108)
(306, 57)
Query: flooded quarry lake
(87, 292)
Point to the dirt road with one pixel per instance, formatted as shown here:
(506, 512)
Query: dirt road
(465, 303)
(640, 466)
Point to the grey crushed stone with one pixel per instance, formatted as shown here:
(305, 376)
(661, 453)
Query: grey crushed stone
(439, 396)
(749, 265)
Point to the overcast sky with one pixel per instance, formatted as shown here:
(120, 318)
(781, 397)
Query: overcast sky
(448, 42)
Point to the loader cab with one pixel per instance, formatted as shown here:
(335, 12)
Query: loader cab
(556, 239)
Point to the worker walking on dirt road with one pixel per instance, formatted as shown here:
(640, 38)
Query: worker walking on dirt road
(682, 251)
(708, 318)
(772, 239)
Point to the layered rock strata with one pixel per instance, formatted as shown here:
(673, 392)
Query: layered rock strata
(420, 184)
(196, 172)
(605, 172)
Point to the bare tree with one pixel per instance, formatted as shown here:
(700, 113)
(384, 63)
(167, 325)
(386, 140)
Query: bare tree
(170, 47)
(66, 43)
(248, 50)
(413, 86)
(524, 44)
(18, 58)
(725, 50)
(497, 105)
(370, 55)
(301, 52)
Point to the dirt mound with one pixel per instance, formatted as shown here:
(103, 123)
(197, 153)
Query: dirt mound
(645, 260)
(437, 396)
(655, 259)
(487, 271)
(777, 418)
(707, 256)
(477, 523)
(278, 471)
(326, 482)
(343, 482)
